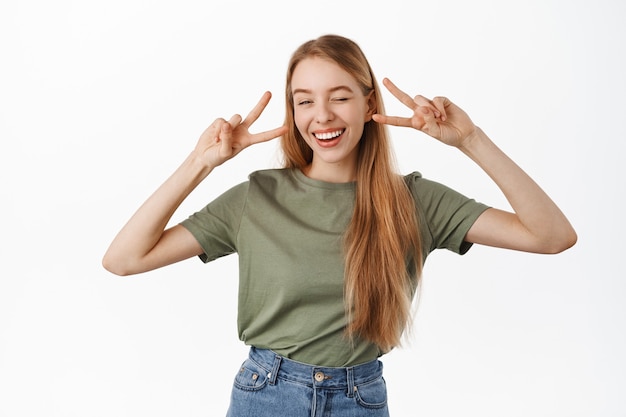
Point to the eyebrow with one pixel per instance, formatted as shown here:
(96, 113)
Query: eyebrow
(332, 90)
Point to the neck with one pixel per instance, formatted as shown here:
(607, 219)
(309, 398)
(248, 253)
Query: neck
(337, 172)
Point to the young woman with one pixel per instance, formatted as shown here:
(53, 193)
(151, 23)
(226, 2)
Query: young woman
(331, 246)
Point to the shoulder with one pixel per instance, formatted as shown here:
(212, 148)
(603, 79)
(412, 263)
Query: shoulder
(435, 196)
(271, 178)
(270, 174)
(423, 187)
(413, 177)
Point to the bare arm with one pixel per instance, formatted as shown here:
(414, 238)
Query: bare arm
(143, 243)
(536, 224)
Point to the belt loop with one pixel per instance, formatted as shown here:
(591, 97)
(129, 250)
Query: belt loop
(350, 377)
(274, 372)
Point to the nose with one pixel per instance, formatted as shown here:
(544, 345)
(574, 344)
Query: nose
(323, 113)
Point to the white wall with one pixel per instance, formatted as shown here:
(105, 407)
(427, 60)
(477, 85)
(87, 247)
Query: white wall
(100, 101)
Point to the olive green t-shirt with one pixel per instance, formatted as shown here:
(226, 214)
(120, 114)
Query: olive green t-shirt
(287, 231)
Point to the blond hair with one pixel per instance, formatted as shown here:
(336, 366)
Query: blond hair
(382, 242)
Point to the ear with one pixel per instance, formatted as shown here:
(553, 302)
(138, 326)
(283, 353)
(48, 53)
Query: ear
(371, 106)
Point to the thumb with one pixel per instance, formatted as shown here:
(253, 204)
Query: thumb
(430, 125)
(225, 137)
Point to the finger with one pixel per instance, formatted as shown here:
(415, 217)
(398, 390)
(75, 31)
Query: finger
(215, 129)
(430, 121)
(235, 120)
(269, 134)
(392, 120)
(406, 99)
(423, 101)
(440, 103)
(226, 135)
(257, 110)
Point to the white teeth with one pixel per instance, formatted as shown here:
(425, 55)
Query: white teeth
(328, 135)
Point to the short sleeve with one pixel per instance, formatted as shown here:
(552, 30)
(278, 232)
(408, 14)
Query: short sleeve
(216, 226)
(445, 215)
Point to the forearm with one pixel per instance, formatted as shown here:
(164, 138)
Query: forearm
(146, 227)
(547, 227)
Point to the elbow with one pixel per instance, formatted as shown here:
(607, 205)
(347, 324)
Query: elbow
(572, 239)
(561, 243)
(115, 266)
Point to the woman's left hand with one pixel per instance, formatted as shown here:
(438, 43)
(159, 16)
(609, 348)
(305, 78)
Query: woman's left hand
(439, 117)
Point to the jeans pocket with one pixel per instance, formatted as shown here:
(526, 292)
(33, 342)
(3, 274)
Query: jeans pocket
(251, 377)
(372, 394)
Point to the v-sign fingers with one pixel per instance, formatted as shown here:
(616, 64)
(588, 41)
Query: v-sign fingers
(392, 120)
(257, 110)
(404, 98)
(269, 134)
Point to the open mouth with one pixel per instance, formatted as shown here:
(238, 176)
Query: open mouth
(329, 135)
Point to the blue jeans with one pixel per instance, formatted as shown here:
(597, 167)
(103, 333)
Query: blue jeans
(269, 385)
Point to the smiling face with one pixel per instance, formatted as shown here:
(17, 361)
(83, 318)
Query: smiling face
(330, 111)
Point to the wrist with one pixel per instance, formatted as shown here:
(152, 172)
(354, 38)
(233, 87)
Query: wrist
(473, 140)
(195, 167)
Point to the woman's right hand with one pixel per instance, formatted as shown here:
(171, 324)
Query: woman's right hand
(223, 139)
(143, 243)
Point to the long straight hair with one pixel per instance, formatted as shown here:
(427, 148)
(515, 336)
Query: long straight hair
(381, 243)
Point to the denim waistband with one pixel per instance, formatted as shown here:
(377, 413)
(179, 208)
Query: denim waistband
(279, 367)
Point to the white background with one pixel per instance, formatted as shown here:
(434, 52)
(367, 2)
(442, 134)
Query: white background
(100, 102)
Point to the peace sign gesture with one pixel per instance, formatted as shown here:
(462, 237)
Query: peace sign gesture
(439, 117)
(223, 139)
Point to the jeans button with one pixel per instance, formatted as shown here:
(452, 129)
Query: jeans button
(319, 376)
